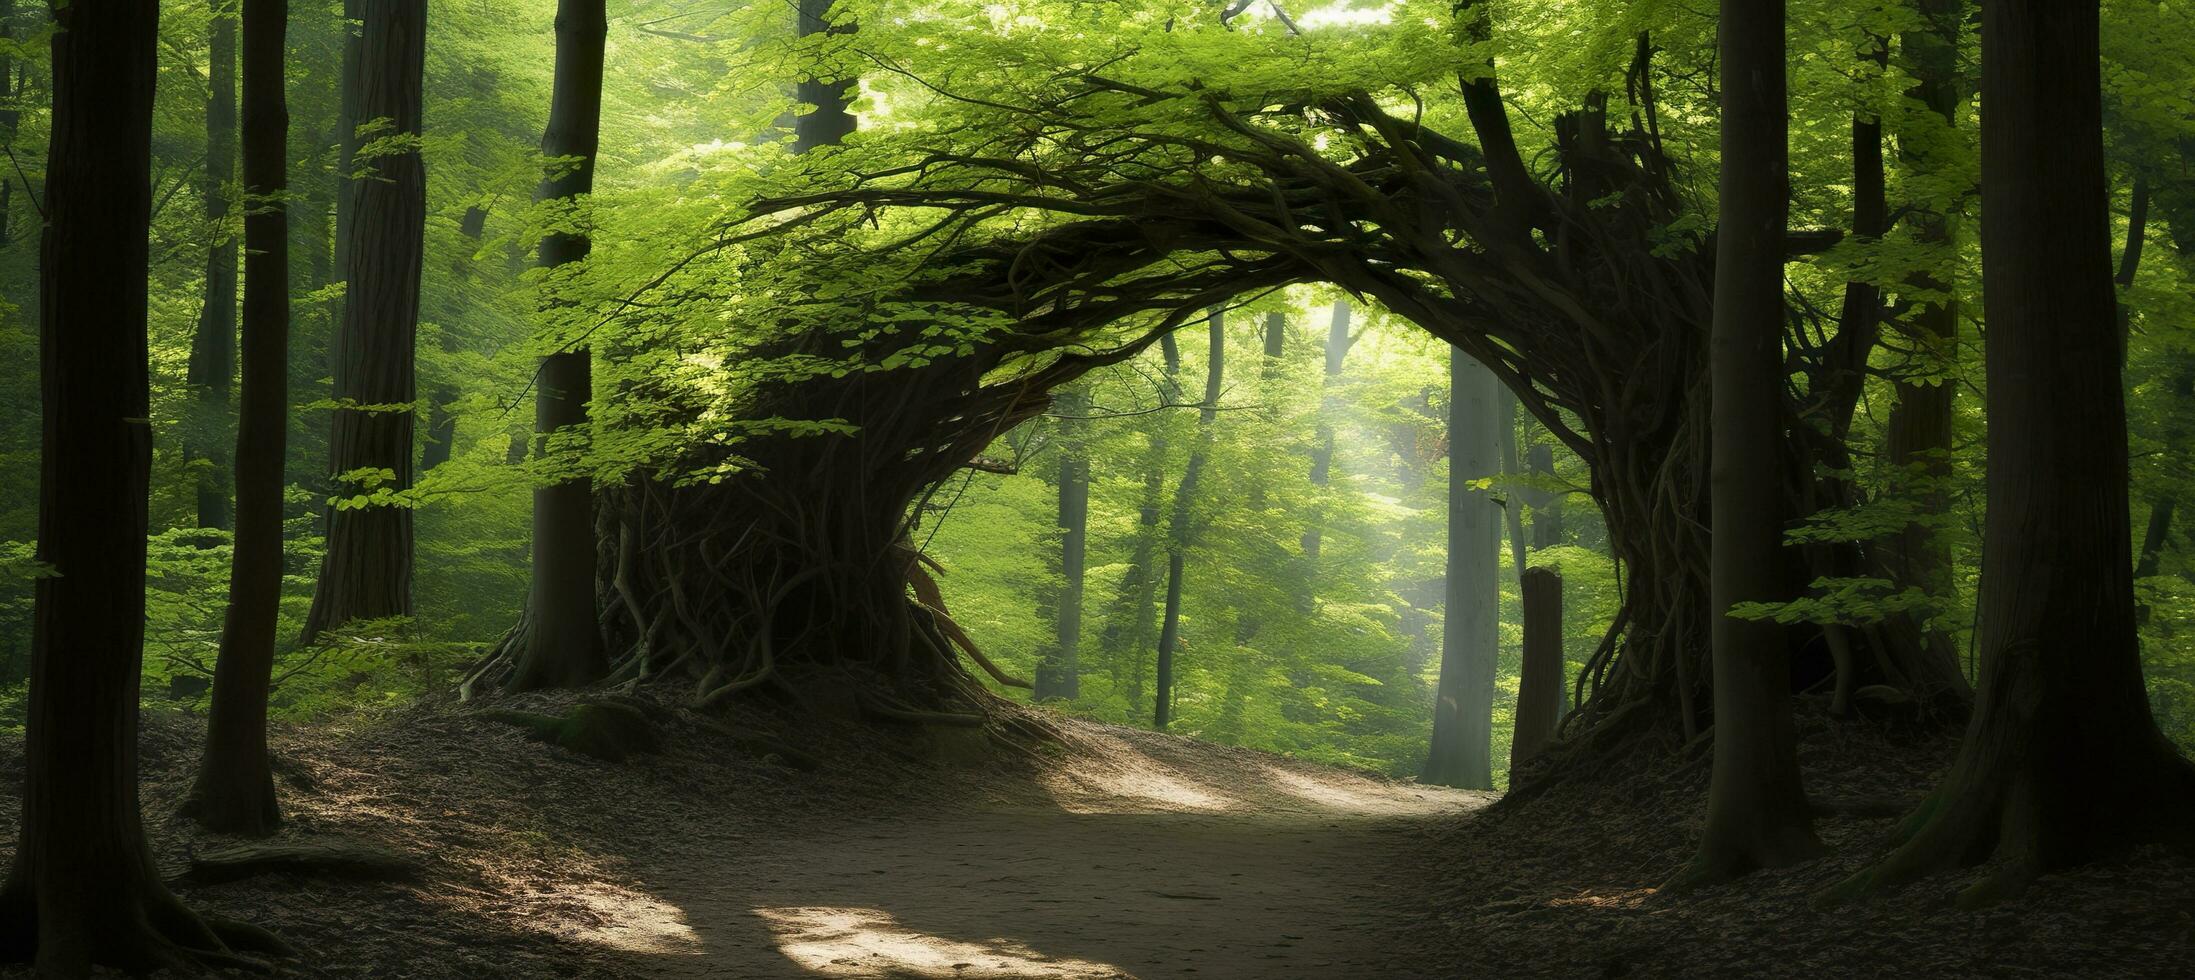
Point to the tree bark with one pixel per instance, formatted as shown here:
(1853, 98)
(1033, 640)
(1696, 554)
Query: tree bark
(367, 572)
(1540, 683)
(2062, 761)
(1181, 527)
(1129, 622)
(1462, 748)
(83, 889)
(234, 792)
(558, 637)
(1059, 676)
(213, 344)
(1757, 816)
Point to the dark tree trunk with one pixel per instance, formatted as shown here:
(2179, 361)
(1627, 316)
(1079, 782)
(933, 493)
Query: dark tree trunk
(367, 573)
(2062, 762)
(83, 889)
(1512, 504)
(558, 638)
(1918, 442)
(1322, 451)
(1059, 676)
(234, 793)
(213, 345)
(2130, 258)
(1181, 528)
(1757, 817)
(1540, 683)
(1461, 754)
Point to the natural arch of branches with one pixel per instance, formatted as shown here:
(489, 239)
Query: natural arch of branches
(1092, 223)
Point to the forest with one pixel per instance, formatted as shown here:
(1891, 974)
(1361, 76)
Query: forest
(1069, 489)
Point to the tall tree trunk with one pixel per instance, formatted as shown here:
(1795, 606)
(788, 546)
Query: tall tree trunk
(367, 573)
(1059, 676)
(1181, 526)
(1463, 706)
(1917, 444)
(1322, 452)
(832, 121)
(1547, 529)
(558, 637)
(2062, 762)
(234, 793)
(83, 889)
(1757, 816)
(213, 345)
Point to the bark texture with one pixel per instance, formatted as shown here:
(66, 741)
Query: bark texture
(367, 572)
(558, 641)
(234, 792)
(2062, 761)
(83, 889)
(1757, 816)
(1540, 683)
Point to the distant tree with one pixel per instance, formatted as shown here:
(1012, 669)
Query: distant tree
(1461, 753)
(213, 344)
(83, 889)
(2062, 762)
(1181, 526)
(367, 572)
(234, 792)
(1757, 816)
(1059, 674)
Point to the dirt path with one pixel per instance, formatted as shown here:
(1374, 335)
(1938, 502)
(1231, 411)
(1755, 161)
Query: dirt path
(1149, 858)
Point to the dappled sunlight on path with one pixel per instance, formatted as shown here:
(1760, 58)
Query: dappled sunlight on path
(855, 942)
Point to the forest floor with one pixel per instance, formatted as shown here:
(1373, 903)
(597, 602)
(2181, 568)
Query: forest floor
(1118, 853)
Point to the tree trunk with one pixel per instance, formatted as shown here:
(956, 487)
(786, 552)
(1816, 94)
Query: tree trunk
(1059, 676)
(832, 121)
(1181, 526)
(558, 638)
(83, 889)
(367, 573)
(1540, 683)
(213, 345)
(1918, 442)
(2062, 762)
(234, 793)
(1757, 816)
(1512, 504)
(1463, 705)
(1322, 451)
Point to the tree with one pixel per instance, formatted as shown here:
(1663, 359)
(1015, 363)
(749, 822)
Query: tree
(2062, 762)
(1059, 675)
(1322, 451)
(367, 572)
(213, 345)
(1463, 704)
(83, 889)
(1181, 526)
(1757, 816)
(560, 644)
(234, 792)
(1918, 443)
